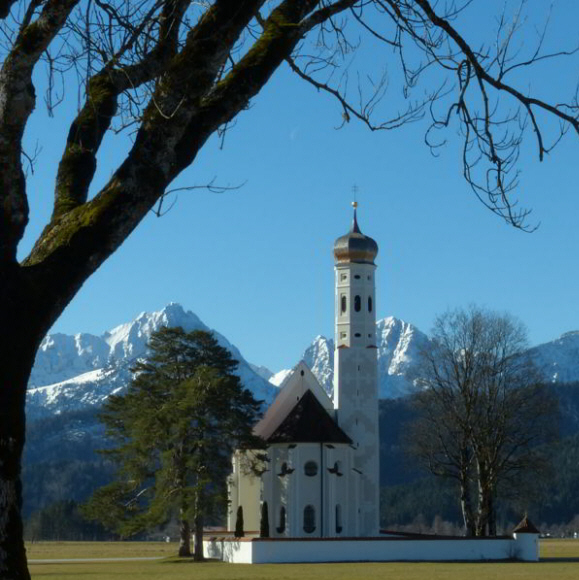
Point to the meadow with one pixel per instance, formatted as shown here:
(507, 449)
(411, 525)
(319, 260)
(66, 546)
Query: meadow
(559, 561)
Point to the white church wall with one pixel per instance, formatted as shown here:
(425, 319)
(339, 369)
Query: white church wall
(340, 490)
(295, 490)
(229, 550)
(523, 548)
(527, 547)
(357, 415)
(280, 455)
(267, 495)
(306, 489)
(244, 490)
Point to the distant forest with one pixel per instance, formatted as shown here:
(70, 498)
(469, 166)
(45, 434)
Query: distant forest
(61, 470)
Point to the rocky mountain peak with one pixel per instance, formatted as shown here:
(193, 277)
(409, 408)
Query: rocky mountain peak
(71, 372)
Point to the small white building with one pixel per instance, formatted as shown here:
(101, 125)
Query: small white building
(321, 474)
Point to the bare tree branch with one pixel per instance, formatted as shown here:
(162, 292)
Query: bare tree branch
(17, 100)
(78, 164)
(5, 6)
(496, 191)
(177, 72)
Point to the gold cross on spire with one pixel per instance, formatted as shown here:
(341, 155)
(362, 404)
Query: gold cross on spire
(355, 192)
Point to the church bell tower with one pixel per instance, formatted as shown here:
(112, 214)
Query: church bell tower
(356, 370)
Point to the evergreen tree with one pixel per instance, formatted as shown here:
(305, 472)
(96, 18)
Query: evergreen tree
(239, 533)
(264, 522)
(174, 429)
(62, 521)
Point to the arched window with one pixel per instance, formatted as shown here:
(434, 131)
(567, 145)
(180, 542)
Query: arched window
(357, 304)
(311, 468)
(309, 519)
(343, 304)
(338, 518)
(281, 528)
(369, 303)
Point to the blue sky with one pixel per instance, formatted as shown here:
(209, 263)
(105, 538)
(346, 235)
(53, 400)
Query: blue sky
(256, 263)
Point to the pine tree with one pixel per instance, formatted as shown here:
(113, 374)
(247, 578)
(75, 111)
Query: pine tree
(239, 532)
(175, 430)
(264, 522)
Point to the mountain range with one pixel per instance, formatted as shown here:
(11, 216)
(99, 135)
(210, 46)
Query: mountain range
(73, 373)
(73, 376)
(77, 372)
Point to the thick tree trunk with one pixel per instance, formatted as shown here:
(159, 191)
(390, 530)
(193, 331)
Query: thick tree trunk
(198, 553)
(465, 494)
(18, 343)
(484, 491)
(184, 536)
(22, 327)
(466, 508)
(12, 553)
(492, 523)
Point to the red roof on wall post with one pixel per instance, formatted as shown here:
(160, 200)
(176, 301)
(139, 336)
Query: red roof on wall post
(525, 526)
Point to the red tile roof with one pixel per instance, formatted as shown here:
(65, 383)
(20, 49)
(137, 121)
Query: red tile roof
(525, 526)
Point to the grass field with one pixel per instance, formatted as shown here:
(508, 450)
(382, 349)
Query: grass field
(559, 561)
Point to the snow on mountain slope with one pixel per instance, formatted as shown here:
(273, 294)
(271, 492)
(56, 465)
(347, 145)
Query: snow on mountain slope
(61, 357)
(558, 360)
(72, 372)
(279, 377)
(85, 390)
(319, 356)
(398, 345)
(262, 371)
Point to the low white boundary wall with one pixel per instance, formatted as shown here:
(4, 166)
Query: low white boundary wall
(523, 547)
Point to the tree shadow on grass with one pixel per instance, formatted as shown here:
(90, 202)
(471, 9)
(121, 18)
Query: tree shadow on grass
(186, 560)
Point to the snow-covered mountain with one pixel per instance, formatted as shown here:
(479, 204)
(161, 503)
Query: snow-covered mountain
(398, 345)
(74, 372)
(81, 371)
(558, 360)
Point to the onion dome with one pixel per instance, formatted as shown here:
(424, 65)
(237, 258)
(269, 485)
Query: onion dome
(355, 246)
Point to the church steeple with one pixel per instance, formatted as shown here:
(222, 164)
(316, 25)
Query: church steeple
(356, 367)
(354, 255)
(355, 246)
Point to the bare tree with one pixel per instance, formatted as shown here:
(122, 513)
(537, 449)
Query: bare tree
(175, 72)
(482, 411)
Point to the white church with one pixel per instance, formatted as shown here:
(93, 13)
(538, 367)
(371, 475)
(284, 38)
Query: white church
(320, 476)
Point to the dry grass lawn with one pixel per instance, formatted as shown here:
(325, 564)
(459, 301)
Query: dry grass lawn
(57, 550)
(560, 561)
